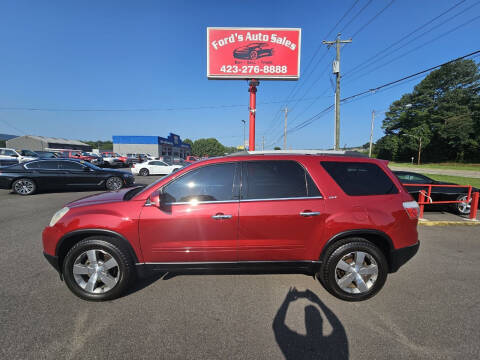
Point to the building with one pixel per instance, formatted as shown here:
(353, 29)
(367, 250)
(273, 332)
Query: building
(154, 145)
(42, 143)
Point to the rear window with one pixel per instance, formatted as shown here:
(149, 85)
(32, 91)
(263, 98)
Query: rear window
(357, 179)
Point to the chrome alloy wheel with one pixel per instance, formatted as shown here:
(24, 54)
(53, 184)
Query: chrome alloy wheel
(464, 207)
(24, 187)
(114, 183)
(356, 272)
(96, 271)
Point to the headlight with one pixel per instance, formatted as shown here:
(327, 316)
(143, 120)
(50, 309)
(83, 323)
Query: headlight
(58, 215)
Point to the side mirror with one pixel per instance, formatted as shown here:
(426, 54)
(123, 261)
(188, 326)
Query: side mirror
(155, 199)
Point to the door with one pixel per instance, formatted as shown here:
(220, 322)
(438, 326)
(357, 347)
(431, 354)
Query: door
(48, 174)
(280, 212)
(78, 175)
(197, 220)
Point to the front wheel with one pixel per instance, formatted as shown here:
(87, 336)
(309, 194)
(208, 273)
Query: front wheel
(354, 269)
(114, 183)
(24, 187)
(95, 269)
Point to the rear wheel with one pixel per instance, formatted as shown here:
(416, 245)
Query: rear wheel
(253, 55)
(95, 269)
(24, 187)
(114, 183)
(144, 172)
(354, 269)
(463, 208)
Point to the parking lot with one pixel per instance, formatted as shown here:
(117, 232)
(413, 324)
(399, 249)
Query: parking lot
(428, 310)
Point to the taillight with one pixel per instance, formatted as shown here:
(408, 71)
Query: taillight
(412, 209)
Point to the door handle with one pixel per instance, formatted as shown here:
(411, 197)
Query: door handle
(309, 213)
(221, 216)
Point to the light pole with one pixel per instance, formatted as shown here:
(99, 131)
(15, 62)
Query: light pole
(244, 122)
(419, 138)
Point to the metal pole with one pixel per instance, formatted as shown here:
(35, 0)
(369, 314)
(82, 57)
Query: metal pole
(371, 134)
(419, 149)
(244, 122)
(263, 142)
(253, 95)
(285, 130)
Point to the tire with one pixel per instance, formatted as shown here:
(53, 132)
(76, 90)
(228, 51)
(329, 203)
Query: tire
(253, 55)
(95, 269)
(24, 187)
(340, 264)
(462, 208)
(144, 172)
(114, 183)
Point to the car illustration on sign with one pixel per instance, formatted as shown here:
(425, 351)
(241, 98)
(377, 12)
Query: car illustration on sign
(253, 51)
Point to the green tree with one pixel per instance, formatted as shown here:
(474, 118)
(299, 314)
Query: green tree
(277, 148)
(189, 142)
(443, 109)
(208, 147)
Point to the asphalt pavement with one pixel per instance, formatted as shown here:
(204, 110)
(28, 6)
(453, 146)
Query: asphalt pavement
(428, 310)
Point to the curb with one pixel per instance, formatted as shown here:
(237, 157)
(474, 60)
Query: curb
(448, 222)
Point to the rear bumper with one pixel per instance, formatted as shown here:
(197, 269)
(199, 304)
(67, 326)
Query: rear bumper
(400, 256)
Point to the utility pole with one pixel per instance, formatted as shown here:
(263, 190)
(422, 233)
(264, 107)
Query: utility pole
(371, 134)
(263, 143)
(244, 122)
(285, 129)
(336, 70)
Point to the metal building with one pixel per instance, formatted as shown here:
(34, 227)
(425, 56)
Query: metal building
(42, 143)
(156, 146)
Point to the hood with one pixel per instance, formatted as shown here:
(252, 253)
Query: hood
(102, 198)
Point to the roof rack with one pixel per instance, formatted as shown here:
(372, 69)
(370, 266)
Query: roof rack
(301, 152)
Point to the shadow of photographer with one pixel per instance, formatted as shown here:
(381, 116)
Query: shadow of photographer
(313, 345)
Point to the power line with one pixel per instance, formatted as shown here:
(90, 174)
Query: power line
(375, 90)
(205, 107)
(417, 37)
(372, 19)
(416, 48)
(405, 37)
(355, 16)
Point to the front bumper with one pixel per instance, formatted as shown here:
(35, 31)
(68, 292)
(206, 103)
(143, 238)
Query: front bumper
(53, 260)
(400, 256)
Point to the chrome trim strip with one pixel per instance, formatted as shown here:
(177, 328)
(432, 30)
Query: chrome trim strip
(232, 262)
(290, 198)
(245, 200)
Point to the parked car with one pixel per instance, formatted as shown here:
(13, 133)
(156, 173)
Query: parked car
(12, 154)
(155, 167)
(253, 51)
(93, 158)
(46, 154)
(114, 160)
(347, 220)
(136, 158)
(191, 158)
(76, 154)
(438, 193)
(49, 174)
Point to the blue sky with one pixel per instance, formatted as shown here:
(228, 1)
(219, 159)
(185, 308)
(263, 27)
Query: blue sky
(151, 55)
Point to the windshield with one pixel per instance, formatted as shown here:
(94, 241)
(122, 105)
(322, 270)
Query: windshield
(29, 153)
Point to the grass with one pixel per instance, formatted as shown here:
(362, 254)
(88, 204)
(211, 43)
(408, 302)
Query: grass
(460, 180)
(449, 166)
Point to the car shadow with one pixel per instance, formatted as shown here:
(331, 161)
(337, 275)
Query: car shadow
(142, 282)
(315, 344)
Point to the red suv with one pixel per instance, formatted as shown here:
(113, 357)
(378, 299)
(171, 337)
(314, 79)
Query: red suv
(348, 220)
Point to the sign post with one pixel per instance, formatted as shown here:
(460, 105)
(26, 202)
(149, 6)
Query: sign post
(253, 54)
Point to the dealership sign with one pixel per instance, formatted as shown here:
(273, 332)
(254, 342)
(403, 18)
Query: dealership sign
(253, 53)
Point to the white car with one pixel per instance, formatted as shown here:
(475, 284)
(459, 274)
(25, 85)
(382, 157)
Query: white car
(12, 154)
(154, 167)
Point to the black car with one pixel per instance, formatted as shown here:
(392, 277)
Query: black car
(48, 174)
(253, 51)
(438, 193)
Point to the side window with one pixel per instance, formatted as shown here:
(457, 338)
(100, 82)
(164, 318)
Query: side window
(71, 165)
(9, 152)
(357, 178)
(209, 183)
(403, 177)
(276, 179)
(47, 165)
(420, 179)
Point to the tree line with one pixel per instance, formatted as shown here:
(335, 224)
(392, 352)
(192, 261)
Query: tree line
(439, 120)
